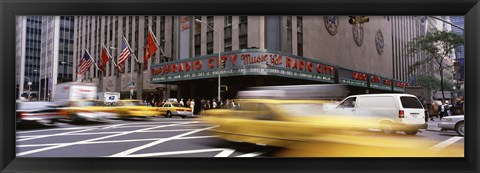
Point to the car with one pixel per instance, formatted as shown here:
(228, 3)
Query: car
(134, 108)
(170, 109)
(456, 123)
(278, 122)
(395, 112)
(41, 112)
(88, 110)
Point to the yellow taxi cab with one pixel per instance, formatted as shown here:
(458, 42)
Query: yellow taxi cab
(134, 108)
(298, 124)
(170, 109)
(87, 110)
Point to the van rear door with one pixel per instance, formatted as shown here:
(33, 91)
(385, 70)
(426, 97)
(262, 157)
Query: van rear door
(413, 110)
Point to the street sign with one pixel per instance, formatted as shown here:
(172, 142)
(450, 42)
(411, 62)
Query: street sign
(131, 84)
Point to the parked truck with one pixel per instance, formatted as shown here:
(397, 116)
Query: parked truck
(73, 91)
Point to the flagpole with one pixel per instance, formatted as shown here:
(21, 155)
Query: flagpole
(92, 60)
(131, 50)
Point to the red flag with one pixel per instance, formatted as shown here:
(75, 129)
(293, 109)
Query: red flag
(104, 58)
(150, 48)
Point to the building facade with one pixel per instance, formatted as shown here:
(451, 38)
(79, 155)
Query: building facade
(56, 65)
(28, 42)
(460, 52)
(309, 49)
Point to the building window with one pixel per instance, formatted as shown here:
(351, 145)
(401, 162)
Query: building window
(210, 35)
(198, 31)
(299, 35)
(289, 34)
(243, 32)
(227, 31)
(162, 35)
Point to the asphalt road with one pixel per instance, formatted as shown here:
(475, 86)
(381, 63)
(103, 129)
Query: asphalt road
(159, 137)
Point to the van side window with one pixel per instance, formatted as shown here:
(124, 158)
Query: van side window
(348, 103)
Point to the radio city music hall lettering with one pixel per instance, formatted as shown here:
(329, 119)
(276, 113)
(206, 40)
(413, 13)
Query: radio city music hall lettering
(179, 67)
(401, 84)
(247, 59)
(302, 65)
(378, 80)
(359, 76)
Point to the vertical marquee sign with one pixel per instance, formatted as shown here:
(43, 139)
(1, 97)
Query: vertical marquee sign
(351, 77)
(244, 62)
(381, 83)
(399, 86)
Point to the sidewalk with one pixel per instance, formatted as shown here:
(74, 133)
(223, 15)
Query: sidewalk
(433, 125)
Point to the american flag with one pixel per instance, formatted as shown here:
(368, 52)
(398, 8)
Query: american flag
(123, 55)
(85, 63)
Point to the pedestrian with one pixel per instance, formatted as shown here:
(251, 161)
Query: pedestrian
(192, 105)
(206, 106)
(181, 102)
(430, 110)
(187, 104)
(198, 106)
(441, 110)
(462, 105)
(202, 103)
(214, 104)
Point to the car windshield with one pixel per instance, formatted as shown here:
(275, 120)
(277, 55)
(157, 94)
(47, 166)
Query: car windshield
(176, 105)
(411, 102)
(303, 109)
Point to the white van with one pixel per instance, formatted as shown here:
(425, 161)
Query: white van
(395, 112)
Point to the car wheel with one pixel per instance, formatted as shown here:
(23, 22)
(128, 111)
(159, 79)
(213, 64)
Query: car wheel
(460, 128)
(411, 132)
(387, 128)
(169, 114)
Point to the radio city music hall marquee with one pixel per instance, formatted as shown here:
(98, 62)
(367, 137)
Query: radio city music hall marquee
(246, 62)
(265, 62)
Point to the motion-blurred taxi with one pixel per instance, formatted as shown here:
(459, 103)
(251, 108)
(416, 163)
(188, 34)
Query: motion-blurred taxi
(134, 108)
(87, 110)
(299, 124)
(277, 122)
(170, 109)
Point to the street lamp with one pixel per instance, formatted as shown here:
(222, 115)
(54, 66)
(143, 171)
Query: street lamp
(29, 86)
(219, 49)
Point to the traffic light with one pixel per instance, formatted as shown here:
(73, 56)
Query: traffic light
(352, 20)
(223, 64)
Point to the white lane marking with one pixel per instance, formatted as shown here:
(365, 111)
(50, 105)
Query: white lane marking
(225, 153)
(91, 140)
(176, 152)
(57, 134)
(112, 126)
(130, 151)
(99, 126)
(440, 146)
(109, 142)
(98, 133)
(198, 137)
(254, 154)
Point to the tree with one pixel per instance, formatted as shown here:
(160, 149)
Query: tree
(432, 83)
(437, 44)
